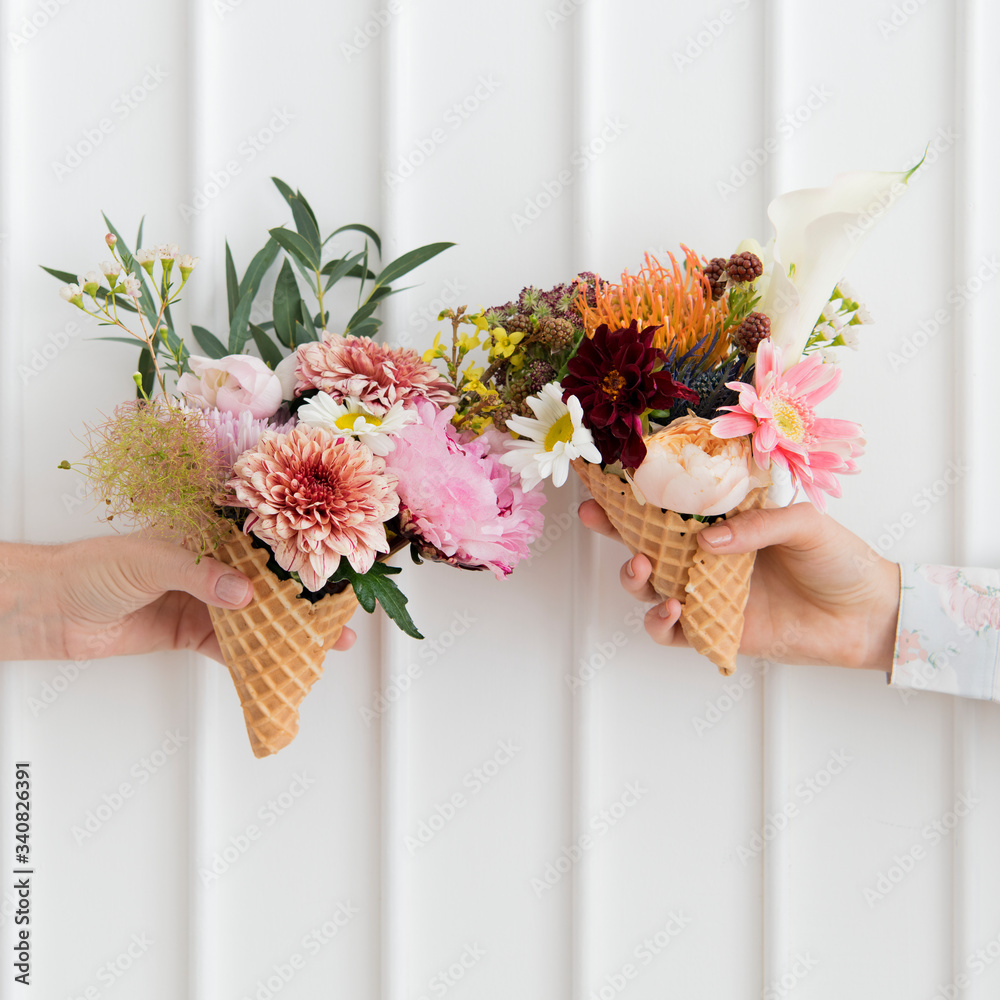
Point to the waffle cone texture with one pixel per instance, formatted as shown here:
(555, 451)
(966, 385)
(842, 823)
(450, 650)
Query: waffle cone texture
(274, 648)
(713, 587)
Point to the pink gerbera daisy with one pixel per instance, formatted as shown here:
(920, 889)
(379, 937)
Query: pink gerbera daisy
(313, 497)
(778, 413)
(372, 373)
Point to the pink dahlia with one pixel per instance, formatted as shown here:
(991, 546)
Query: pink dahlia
(376, 375)
(314, 497)
(777, 411)
(458, 500)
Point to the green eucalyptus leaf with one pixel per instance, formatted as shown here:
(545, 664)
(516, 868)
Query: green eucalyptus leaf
(357, 227)
(366, 328)
(239, 326)
(64, 276)
(307, 320)
(298, 246)
(147, 371)
(362, 314)
(406, 263)
(269, 352)
(232, 283)
(287, 305)
(209, 343)
(337, 269)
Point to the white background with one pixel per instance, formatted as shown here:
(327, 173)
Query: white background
(692, 91)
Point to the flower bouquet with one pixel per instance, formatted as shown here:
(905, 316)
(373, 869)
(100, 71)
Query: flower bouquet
(690, 385)
(305, 466)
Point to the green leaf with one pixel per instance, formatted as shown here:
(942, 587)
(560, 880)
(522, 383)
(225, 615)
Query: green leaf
(287, 305)
(362, 314)
(255, 272)
(238, 327)
(366, 328)
(269, 352)
(337, 269)
(358, 228)
(138, 235)
(232, 283)
(64, 276)
(209, 343)
(402, 265)
(302, 335)
(305, 220)
(296, 245)
(104, 294)
(131, 341)
(375, 585)
(307, 321)
(147, 372)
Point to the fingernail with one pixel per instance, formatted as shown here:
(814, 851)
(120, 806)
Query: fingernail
(232, 589)
(718, 534)
(664, 610)
(628, 569)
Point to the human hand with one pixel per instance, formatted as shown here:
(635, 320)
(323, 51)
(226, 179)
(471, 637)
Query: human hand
(818, 592)
(114, 596)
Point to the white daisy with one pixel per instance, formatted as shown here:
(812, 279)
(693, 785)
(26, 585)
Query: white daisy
(549, 442)
(352, 417)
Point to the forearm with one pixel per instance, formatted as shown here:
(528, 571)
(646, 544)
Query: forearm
(29, 619)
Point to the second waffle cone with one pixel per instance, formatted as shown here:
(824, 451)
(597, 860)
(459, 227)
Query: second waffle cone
(713, 587)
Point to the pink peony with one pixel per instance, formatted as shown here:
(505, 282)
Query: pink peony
(458, 499)
(372, 373)
(778, 414)
(314, 497)
(237, 383)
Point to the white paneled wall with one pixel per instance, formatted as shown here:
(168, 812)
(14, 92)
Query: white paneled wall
(384, 864)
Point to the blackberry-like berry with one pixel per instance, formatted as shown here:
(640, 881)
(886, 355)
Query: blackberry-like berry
(556, 334)
(500, 414)
(715, 271)
(755, 328)
(744, 266)
(518, 323)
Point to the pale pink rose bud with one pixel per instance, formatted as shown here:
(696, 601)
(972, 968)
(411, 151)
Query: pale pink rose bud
(689, 470)
(237, 383)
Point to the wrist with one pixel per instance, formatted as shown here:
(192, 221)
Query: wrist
(29, 625)
(884, 619)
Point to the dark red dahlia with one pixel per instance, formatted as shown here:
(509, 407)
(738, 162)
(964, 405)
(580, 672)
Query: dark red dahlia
(613, 375)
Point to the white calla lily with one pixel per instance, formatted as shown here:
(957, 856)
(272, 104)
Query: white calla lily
(817, 231)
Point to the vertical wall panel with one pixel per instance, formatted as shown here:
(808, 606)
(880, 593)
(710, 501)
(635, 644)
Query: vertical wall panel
(439, 792)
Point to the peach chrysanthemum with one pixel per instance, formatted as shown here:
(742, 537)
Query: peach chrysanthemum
(676, 299)
(313, 497)
(378, 376)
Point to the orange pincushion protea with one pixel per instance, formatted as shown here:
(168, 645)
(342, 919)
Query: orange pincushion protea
(677, 299)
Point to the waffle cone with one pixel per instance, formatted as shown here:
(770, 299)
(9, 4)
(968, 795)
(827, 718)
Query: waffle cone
(712, 587)
(275, 646)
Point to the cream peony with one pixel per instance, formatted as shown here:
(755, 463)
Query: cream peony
(237, 383)
(689, 470)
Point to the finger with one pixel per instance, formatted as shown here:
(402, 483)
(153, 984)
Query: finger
(663, 624)
(800, 527)
(593, 517)
(158, 567)
(634, 576)
(346, 640)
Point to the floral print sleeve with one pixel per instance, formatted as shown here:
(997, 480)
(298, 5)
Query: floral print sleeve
(948, 633)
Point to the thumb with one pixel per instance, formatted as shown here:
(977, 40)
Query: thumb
(800, 527)
(159, 566)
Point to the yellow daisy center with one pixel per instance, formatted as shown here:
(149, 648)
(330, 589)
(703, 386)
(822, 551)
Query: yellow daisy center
(346, 422)
(561, 430)
(791, 421)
